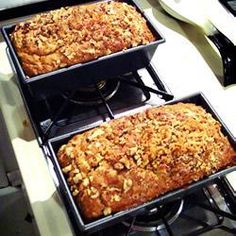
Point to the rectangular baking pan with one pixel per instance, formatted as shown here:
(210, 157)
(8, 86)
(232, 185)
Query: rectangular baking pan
(87, 73)
(74, 212)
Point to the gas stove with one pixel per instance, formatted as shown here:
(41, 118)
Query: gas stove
(209, 210)
(177, 69)
(205, 211)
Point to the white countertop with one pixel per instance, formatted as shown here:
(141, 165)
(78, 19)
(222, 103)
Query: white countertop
(185, 62)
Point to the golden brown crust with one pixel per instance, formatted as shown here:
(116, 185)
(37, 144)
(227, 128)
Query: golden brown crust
(131, 160)
(78, 34)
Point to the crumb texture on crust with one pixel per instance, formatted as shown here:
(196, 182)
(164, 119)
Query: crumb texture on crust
(78, 34)
(134, 159)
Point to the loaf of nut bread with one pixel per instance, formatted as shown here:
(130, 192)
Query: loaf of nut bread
(134, 159)
(78, 34)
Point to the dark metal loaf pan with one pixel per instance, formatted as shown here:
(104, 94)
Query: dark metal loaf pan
(74, 212)
(85, 74)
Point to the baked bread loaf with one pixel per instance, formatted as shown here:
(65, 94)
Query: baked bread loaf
(134, 159)
(78, 34)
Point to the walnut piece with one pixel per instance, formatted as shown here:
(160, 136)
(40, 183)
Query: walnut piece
(67, 169)
(127, 184)
(107, 211)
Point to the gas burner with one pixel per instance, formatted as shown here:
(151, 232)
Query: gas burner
(152, 221)
(91, 95)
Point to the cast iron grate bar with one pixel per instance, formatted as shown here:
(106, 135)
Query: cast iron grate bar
(218, 211)
(164, 94)
(210, 228)
(57, 115)
(213, 204)
(130, 229)
(105, 103)
(155, 77)
(226, 229)
(190, 218)
(139, 80)
(205, 227)
(167, 225)
(219, 214)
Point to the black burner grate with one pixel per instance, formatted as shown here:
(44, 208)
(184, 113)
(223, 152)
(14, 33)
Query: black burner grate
(201, 215)
(59, 114)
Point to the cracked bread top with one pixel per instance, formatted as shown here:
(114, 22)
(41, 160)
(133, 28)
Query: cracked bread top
(132, 160)
(78, 34)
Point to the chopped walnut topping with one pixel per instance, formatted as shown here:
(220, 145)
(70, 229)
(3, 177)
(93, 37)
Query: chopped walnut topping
(69, 54)
(116, 198)
(139, 162)
(42, 38)
(75, 192)
(67, 169)
(69, 151)
(85, 182)
(107, 211)
(63, 147)
(127, 184)
(75, 171)
(133, 150)
(118, 166)
(94, 193)
(77, 178)
(136, 156)
(96, 133)
(90, 178)
(126, 162)
(98, 144)
(113, 189)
